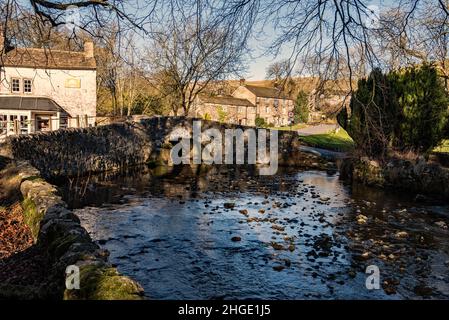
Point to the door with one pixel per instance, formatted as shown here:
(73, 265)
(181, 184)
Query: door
(43, 122)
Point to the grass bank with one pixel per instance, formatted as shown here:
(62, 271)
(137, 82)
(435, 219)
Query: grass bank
(336, 141)
(443, 148)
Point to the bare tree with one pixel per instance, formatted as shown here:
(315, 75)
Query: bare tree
(279, 70)
(192, 51)
(425, 38)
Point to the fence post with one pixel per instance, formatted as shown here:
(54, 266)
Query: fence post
(77, 122)
(85, 121)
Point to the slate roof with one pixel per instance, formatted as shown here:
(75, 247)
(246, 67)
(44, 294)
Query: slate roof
(226, 100)
(47, 59)
(29, 103)
(266, 92)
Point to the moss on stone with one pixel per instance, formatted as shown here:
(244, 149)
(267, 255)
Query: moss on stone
(34, 179)
(368, 174)
(32, 216)
(102, 283)
(59, 246)
(159, 171)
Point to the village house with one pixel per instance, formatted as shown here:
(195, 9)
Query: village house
(271, 104)
(44, 89)
(225, 109)
(247, 103)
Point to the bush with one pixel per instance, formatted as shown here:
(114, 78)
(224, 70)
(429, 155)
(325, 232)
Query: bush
(373, 111)
(301, 109)
(406, 110)
(260, 122)
(222, 115)
(423, 102)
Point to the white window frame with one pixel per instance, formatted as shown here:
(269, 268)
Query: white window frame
(31, 85)
(12, 85)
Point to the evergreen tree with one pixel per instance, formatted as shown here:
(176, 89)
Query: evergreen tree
(301, 110)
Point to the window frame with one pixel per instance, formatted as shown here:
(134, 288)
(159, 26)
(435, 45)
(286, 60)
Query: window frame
(12, 85)
(31, 85)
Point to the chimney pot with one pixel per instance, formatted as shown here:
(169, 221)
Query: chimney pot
(89, 49)
(242, 82)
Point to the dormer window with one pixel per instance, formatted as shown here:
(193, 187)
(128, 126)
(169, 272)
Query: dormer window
(15, 85)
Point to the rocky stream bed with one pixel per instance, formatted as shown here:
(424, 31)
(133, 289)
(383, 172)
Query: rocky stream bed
(223, 233)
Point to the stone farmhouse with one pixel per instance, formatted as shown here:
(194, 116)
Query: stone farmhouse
(247, 103)
(44, 90)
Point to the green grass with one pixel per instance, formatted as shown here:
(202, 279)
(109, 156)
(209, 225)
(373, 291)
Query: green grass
(336, 141)
(292, 128)
(443, 148)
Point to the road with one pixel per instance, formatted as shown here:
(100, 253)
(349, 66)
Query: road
(318, 129)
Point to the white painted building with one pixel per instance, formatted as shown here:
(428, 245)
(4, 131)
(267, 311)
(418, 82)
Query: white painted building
(34, 80)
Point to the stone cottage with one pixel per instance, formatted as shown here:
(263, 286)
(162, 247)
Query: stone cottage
(44, 89)
(247, 103)
(271, 103)
(225, 109)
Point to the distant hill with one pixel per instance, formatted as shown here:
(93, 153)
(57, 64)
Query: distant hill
(306, 84)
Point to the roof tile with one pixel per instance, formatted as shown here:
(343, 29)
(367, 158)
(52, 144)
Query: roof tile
(47, 59)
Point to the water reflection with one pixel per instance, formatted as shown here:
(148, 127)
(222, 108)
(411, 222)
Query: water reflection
(221, 233)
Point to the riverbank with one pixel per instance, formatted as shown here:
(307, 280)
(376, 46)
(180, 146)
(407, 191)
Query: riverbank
(46, 239)
(422, 178)
(15, 235)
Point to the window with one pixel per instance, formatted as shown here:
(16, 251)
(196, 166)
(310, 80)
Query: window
(267, 109)
(12, 119)
(23, 124)
(15, 85)
(27, 85)
(3, 123)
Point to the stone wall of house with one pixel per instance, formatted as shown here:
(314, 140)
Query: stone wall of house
(234, 114)
(243, 93)
(420, 177)
(72, 152)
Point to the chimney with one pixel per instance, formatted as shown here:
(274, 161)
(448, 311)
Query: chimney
(89, 49)
(242, 82)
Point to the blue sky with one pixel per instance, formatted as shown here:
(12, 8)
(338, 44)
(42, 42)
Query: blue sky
(259, 62)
